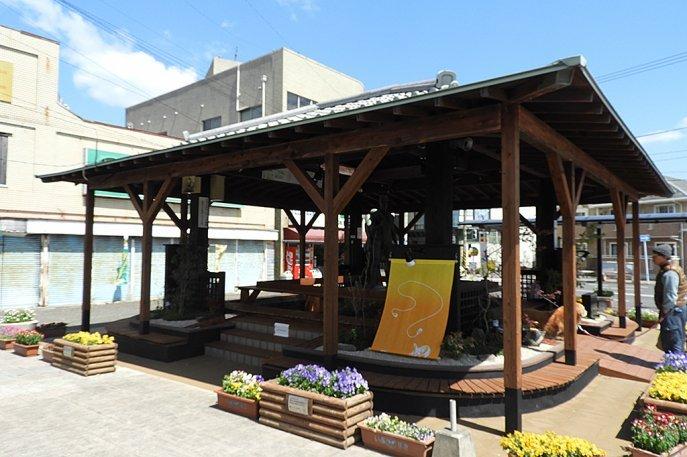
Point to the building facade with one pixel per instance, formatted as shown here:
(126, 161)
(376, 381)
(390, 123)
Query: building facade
(233, 92)
(41, 225)
(672, 233)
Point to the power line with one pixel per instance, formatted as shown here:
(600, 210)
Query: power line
(661, 131)
(644, 67)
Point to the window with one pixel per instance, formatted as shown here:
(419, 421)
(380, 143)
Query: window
(664, 209)
(253, 112)
(3, 158)
(613, 249)
(212, 123)
(94, 156)
(294, 101)
(482, 214)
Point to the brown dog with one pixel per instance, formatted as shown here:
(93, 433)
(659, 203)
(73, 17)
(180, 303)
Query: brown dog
(556, 323)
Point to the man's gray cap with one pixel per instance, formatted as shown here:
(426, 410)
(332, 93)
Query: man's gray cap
(664, 250)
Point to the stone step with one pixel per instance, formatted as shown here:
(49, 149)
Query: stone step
(245, 355)
(260, 340)
(266, 326)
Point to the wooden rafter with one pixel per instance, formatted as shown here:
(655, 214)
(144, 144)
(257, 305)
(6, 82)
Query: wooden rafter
(359, 176)
(306, 182)
(412, 222)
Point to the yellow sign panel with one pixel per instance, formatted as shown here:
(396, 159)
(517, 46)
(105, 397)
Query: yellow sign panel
(6, 76)
(416, 308)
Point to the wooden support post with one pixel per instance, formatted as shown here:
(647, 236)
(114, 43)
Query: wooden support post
(439, 203)
(512, 312)
(546, 208)
(184, 218)
(637, 265)
(565, 193)
(599, 259)
(302, 232)
(331, 258)
(87, 261)
(620, 213)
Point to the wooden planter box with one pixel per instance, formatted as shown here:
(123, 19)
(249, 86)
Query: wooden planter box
(237, 405)
(329, 420)
(25, 351)
(392, 444)
(82, 359)
(6, 345)
(664, 405)
(47, 351)
(677, 451)
(53, 331)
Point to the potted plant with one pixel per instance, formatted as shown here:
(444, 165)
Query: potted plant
(548, 444)
(26, 343)
(605, 297)
(52, 329)
(240, 393)
(390, 435)
(649, 317)
(657, 434)
(22, 318)
(85, 353)
(7, 336)
(668, 391)
(316, 403)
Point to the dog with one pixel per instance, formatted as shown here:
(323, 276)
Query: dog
(556, 323)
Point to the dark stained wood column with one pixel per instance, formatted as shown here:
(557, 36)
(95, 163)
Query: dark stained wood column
(546, 237)
(620, 213)
(87, 261)
(302, 232)
(439, 204)
(636, 262)
(510, 244)
(331, 257)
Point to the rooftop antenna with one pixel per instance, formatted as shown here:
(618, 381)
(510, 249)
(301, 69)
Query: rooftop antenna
(236, 53)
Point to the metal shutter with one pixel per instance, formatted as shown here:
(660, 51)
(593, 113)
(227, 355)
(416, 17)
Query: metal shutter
(19, 271)
(222, 257)
(107, 256)
(269, 260)
(251, 262)
(65, 270)
(157, 274)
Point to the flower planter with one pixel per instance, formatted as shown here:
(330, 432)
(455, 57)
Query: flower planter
(677, 451)
(28, 325)
(392, 444)
(329, 420)
(52, 331)
(25, 351)
(82, 359)
(47, 351)
(6, 345)
(664, 405)
(238, 405)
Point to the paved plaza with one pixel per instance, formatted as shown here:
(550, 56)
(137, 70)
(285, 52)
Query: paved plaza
(54, 413)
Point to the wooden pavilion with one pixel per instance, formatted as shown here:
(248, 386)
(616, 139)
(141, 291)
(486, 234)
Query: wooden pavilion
(546, 137)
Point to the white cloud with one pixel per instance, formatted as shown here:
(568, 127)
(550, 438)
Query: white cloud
(99, 57)
(227, 24)
(663, 137)
(304, 5)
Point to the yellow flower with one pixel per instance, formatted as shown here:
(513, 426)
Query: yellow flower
(670, 386)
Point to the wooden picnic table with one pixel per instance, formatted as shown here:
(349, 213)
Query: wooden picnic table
(292, 286)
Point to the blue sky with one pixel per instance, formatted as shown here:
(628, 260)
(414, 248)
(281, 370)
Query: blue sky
(158, 45)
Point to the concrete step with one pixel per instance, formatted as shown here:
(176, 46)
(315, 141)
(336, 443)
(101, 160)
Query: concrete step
(260, 340)
(257, 324)
(250, 356)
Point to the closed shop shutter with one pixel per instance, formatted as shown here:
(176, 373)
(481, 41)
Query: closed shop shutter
(269, 260)
(19, 271)
(222, 257)
(251, 262)
(65, 270)
(157, 274)
(107, 257)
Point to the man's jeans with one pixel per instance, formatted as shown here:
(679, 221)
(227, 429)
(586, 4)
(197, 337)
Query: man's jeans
(673, 330)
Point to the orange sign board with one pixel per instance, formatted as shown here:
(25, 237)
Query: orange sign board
(416, 308)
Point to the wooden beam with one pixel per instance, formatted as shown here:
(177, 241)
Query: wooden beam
(546, 84)
(87, 261)
(571, 94)
(330, 292)
(172, 215)
(512, 311)
(577, 118)
(543, 137)
(566, 108)
(412, 222)
(312, 220)
(359, 176)
(578, 189)
(293, 220)
(451, 103)
(135, 200)
(526, 222)
(374, 117)
(162, 193)
(344, 123)
(637, 265)
(306, 183)
(560, 183)
(409, 111)
(620, 212)
(440, 127)
(146, 263)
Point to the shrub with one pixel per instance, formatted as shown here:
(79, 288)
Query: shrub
(658, 432)
(15, 316)
(456, 345)
(28, 338)
(603, 293)
(670, 386)
(392, 424)
(343, 383)
(548, 444)
(242, 384)
(89, 339)
(9, 333)
(673, 362)
(647, 314)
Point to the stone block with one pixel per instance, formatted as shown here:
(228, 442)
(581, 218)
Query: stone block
(453, 444)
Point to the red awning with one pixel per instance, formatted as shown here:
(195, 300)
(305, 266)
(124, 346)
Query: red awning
(314, 235)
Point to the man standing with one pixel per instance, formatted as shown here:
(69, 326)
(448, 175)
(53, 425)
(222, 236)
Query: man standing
(670, 294)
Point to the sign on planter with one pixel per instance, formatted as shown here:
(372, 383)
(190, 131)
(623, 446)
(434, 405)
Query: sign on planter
(299, 405)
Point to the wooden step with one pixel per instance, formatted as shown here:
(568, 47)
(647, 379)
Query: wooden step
(247, 355)
(260, 340)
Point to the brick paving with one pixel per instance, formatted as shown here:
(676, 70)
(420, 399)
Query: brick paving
(54, 413)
